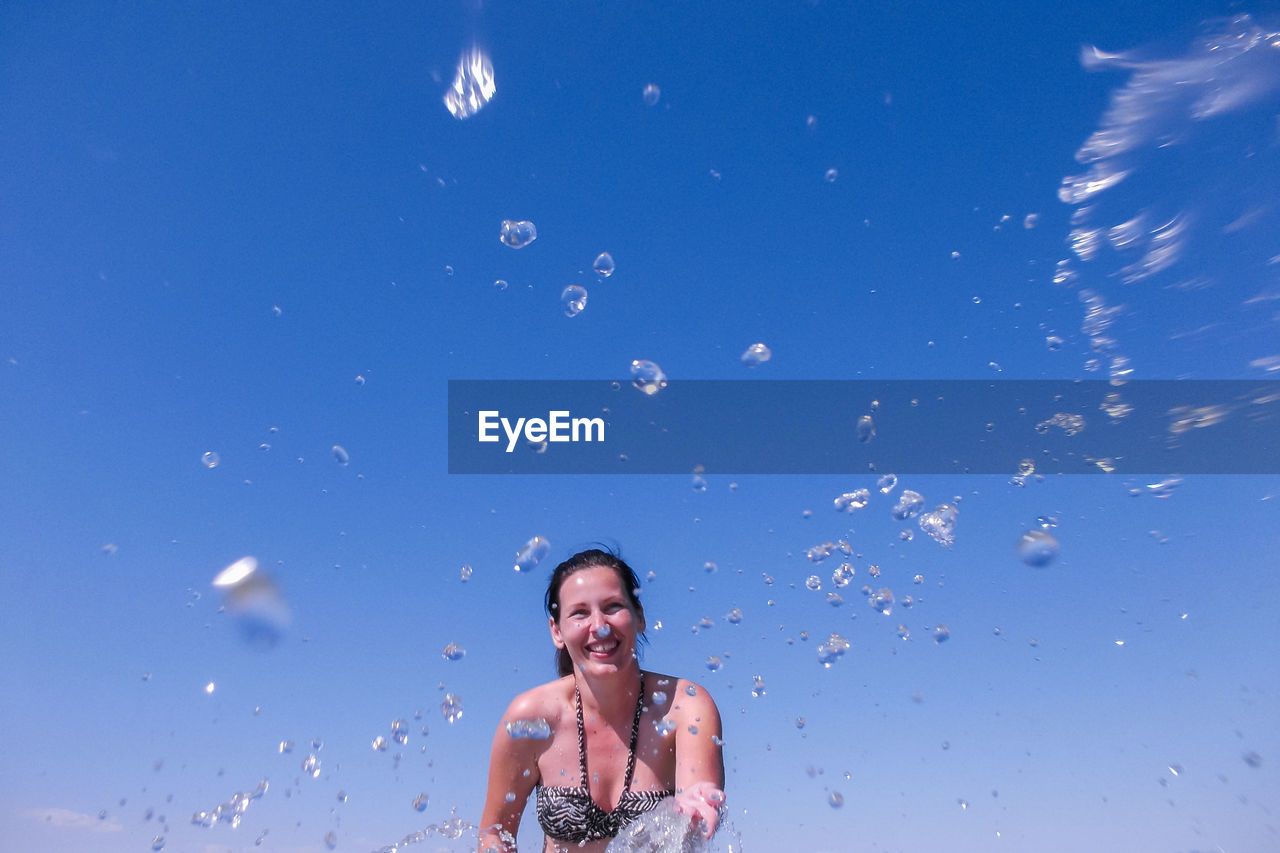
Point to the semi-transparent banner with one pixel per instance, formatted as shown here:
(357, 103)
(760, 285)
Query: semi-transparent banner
(856, 426)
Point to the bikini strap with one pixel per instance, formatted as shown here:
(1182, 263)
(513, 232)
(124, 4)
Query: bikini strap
(582, 737)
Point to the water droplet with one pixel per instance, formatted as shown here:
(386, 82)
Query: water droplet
(855, 500)
(379, 744)
(941, 634)
(904, 633)
(831, 651)
(830, 176)
(660, 697)
(157, 843)
(757, 686)
(473, 85)
(311, 766)
(800, 722)
(210, 459)
(651, 94)
(574, 300)
(340, 454)
(451, 707)
(882, 601)
(1253, 759)
(1053, 342)
(665, 726)
(836, 799)
(342, 796)
(713, 662)
(286, 746)
(420, 803)
(918, 579)
(909, 505)
(453, 651)
(865, 430)
(531, 553)
(941, 524)
(603, 631)
(1037, 548)
(887, 483)
(691, 690)
(517, 233)
(1029, 221)
(208, 688)
(500, 284)
(603, 265)
(647, 377)
(734, 616)
(331, 839)
(813, 583)
(509, 797)
(756, 354)
(464, 574)
(842, 575)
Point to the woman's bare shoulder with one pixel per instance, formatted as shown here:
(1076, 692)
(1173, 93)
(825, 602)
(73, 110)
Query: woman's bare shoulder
(545, 701)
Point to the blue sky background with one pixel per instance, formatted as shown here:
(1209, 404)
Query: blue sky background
(217, 217)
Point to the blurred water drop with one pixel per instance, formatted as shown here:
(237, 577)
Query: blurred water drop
(941, 524)
(451, 707)
(311, 767)
(865, 429)
(464, 574)
(836, 800)
(379, 744)
(574, 300)
(713, 663)
(340, 454)
(647, 377)
(941, 634)
(887, 483)
(855, 500)
(286, 746)
(1037, 548)
(330, 840)
(757, 686)
(210, 459)
(691, 690)
(453, 651)
(814, 583)
(538, 729)
(1053, 342)
(603, 265)
(734, 616)
(1253, 759)
(651, 94)
(517, 233)
(842, 575)
(473, 85)
(909, 505)
(531, 553)
(500, 284)
(157, 843)
(756, 355)
(904, 633)
(252, 595)
(1030, 220)
(420, 803)
(830, 176)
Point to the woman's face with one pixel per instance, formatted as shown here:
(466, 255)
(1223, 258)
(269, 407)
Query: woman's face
(598, 624)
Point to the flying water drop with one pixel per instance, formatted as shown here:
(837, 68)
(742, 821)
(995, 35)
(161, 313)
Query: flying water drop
(473, 85)
(517, 234)
(574, 300)
(531, 554)
(603, 265)
(1037, 548)
(756, 355)
(647, 377)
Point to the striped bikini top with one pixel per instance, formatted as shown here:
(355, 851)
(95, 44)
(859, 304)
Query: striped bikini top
(569, 814)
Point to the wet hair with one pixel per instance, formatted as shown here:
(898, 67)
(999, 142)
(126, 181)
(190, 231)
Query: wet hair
(590, 559)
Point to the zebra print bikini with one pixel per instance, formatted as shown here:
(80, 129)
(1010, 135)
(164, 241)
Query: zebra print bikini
(569, 814)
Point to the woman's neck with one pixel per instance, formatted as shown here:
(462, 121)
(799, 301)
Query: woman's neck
(612, 695)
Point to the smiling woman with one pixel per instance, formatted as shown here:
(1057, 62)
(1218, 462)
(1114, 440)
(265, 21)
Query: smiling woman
(607, 741)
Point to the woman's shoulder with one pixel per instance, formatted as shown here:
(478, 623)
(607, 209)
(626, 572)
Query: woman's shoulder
(681, 693)
(545, 701)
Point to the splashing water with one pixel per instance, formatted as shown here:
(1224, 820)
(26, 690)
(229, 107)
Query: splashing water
(1037, 548)
(909, 505)
(941, 524)
(1182, 168)
(473, 85)
(756, 355)
(855, 500)
(451, 707)
(573, 299)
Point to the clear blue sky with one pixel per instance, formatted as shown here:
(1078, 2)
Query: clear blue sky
(257, 231)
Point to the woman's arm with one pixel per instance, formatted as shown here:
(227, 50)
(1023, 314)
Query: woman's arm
(513, 770)
(699, 756)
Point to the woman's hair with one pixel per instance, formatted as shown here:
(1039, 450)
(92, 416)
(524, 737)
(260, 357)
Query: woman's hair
(587, 560)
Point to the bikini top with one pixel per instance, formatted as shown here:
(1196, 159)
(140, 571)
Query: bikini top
(569, 814)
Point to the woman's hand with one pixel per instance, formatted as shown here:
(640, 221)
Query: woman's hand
(701, 801)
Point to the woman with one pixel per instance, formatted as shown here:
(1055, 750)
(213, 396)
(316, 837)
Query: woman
(620, 739)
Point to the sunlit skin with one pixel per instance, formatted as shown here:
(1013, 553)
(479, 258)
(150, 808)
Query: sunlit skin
(599, 627)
